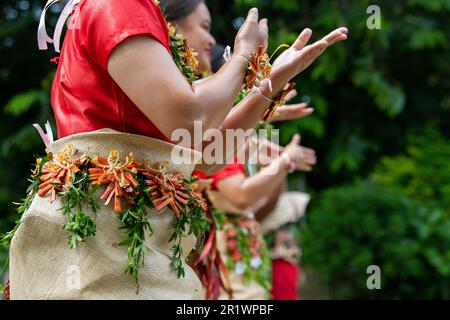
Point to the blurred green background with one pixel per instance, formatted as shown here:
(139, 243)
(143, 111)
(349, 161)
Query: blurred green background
(381, 189)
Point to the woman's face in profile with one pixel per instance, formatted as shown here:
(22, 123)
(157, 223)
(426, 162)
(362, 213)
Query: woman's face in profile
(196, 28)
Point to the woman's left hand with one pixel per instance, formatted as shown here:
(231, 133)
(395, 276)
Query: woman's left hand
(307, 159)
(299, 56)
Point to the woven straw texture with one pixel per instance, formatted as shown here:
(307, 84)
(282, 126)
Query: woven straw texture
(42, 266)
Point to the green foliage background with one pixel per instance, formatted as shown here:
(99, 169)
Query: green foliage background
(382, 102)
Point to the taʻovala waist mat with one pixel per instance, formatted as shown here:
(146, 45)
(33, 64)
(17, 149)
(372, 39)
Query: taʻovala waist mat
(122, 204)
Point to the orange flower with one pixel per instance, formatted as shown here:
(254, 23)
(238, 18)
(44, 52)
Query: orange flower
(258, 70)
(167, 190)
(119, 177)
(174, 36)
(236, 256)
(184, 56)
(190, 56)
(57, 174)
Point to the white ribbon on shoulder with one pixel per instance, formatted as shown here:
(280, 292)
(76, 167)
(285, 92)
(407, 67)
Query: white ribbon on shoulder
(42, 36)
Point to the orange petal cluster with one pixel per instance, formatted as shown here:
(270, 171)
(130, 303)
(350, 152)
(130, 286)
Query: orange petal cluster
(117, 176)
(258, 70)
(57, 173)
(169, 190)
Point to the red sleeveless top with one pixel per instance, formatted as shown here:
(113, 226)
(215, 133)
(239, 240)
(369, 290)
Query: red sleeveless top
(84, 97)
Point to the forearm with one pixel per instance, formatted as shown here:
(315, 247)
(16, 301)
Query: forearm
(264, 183)
(250, 110)
(142, 68)
(271, 202)
(225, 85)
(244, 118)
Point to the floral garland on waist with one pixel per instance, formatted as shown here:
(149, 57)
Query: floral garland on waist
(133, 187)
(247, 252)
(208, 263)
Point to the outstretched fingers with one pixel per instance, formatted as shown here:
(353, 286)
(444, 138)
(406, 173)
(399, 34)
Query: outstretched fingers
(302, 39)
(292, 112)
(336, 35)
(310, 53)
(291, 95)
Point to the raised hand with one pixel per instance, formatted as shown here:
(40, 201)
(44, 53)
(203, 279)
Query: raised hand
(307, 160)
(252, 34)
(299, 56)
(304, 158)
(267, 151)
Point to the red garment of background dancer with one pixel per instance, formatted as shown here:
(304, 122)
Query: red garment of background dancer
(284, 280)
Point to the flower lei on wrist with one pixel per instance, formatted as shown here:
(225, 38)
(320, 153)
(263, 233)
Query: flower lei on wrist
(279, 101)
(248, 254)
(270, 112)
(259, 69)
(183, 55)
(74, 178)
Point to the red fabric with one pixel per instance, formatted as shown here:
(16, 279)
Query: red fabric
(284, 280)
(200, 175)
(7, 291)
(84, 97)
(230, 169)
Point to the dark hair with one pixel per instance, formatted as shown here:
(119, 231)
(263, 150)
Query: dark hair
(217, 60)
(177, 10)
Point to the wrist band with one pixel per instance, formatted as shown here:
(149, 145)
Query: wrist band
(242, 57)
(264, 97)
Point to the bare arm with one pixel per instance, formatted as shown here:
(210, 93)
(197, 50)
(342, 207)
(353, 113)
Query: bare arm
(144, 70)
(244, 192)
(247, 192)
(289, 64)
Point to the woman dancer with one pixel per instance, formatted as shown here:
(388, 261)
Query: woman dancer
(193, 20)
(238, 192)
(114, 96)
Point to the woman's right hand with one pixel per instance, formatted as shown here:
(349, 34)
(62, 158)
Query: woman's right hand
(252, 34)
(304, 158)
